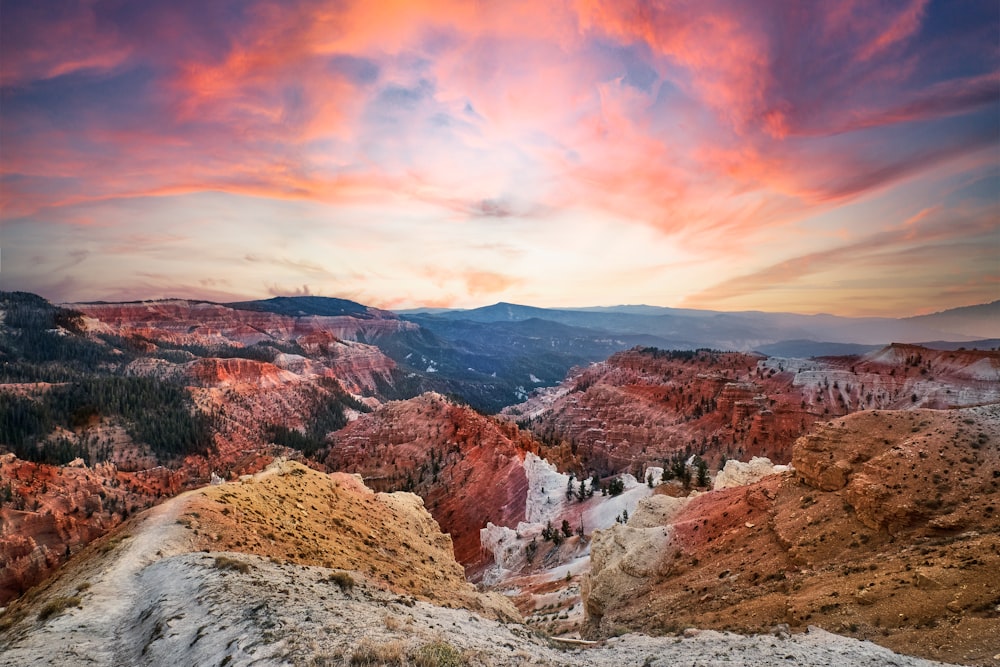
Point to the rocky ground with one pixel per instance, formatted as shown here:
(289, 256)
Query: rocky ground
(146, 595)
(887, 530)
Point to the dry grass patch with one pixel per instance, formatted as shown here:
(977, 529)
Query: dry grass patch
(368, 653)
(226, 563)
(342, 579)
(57, 606)
(439, 654)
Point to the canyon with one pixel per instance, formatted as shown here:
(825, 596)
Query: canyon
(652, 491)
(185, 583)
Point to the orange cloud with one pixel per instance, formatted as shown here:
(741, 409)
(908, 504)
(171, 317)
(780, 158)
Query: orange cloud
(480, 283)
(929, 237)
(715, 124)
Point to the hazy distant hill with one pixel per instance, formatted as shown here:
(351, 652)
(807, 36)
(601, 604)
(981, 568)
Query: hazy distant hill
(982, 321)
(732, 331)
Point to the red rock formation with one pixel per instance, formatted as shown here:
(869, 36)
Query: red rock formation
(898, 377)
(229, 372)
(49, 512)
(198, 323)
(467, 467)
(331, 341)
(639, 407)
(46, 515)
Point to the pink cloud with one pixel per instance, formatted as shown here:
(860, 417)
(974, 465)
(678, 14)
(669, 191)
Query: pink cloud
(38, 48)
(711, 122)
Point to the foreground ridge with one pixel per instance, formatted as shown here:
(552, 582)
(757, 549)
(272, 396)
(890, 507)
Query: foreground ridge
(150, 594)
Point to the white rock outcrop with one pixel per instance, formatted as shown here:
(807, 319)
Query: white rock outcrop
(737, 473)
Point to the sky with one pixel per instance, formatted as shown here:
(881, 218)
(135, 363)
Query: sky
(839, 156)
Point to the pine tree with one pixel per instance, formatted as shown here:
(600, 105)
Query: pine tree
(530, 549)
(702, 466)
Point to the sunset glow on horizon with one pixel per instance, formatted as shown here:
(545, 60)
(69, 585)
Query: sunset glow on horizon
(839, 157)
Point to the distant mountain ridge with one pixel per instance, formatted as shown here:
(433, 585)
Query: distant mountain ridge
(744, 330)
(496, 355)
(982, 320)
(298, 306)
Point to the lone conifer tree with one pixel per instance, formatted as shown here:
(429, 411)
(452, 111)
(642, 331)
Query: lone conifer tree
(702, 467)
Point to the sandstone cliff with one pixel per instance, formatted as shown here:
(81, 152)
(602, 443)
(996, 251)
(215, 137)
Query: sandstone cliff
(193, 322)
(468, 468)
(642, 406)
(48, 513)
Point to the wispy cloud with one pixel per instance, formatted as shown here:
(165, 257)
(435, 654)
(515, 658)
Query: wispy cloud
(874, 263)
(709, 124)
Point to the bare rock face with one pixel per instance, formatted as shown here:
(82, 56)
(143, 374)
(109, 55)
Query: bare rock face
(887, 529)
(623, 562)
(468, 468)
(822, 464)
(642, 406)
(657, 510)
(229, 372)
(737, 473)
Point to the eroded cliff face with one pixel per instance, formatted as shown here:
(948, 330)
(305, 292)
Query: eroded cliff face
(311, 367)
(887, 529)
(468, 468)
(192, 322)
(334, 345)
(48, 513)
(641, 406)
